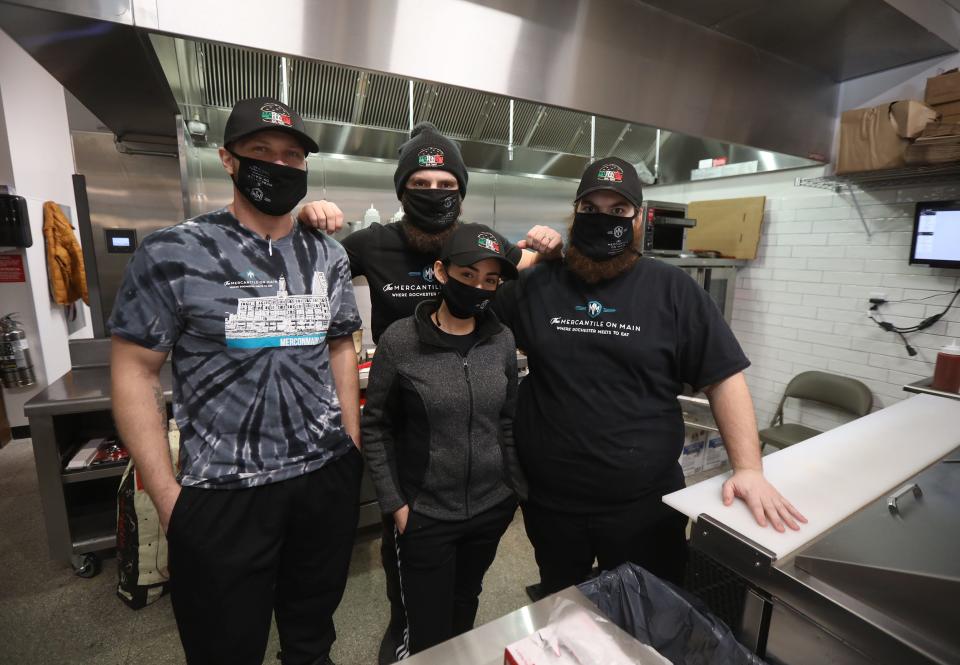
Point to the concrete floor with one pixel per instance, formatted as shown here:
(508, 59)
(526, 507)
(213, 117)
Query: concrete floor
(49, 616)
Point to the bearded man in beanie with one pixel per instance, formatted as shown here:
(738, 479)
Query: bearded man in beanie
(612, 337)
(258, 312)
(398, 258)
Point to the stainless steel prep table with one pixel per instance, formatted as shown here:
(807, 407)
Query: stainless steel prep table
(879, 586)
(485, 645)
(79, 507)
(72, 409)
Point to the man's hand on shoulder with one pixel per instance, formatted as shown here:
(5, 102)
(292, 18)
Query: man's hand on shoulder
(762, 498)
(321, 215)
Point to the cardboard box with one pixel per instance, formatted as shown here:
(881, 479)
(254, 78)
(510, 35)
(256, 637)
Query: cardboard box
(729, 226)
(714, 453)
(876, 138)
(935, 150)
(694, 445)
(943, 88)
(911, 118)
(941, 129)
(947, 110)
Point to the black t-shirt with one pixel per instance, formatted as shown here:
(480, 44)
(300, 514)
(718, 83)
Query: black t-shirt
(598, 423)
(462, 343)
(399, 277)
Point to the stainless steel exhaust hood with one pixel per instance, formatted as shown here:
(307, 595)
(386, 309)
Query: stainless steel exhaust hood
(111, 67)
(709, 74)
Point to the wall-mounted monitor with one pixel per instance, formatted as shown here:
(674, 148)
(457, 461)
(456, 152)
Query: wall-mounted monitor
(936, 234)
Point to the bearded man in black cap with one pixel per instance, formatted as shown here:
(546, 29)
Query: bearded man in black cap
(398, 258)
(258, 312)
(612, 337)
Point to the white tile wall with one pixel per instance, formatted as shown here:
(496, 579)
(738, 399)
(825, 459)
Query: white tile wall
(802, 303)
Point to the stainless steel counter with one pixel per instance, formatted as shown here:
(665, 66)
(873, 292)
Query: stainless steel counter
(83, 390)
(72, 409)
(880, 588)
(484, 645)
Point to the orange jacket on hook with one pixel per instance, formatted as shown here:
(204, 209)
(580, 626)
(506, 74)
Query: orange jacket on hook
(68, 281)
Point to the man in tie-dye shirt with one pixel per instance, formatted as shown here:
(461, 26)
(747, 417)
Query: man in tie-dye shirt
(258, 312)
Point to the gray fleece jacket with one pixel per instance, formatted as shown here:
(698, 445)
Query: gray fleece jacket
(438, 426)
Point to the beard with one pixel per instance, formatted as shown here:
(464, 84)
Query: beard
(592, 271)
(423, 242)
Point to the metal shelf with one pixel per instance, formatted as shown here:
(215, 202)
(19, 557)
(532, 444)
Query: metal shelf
(922, 387)
(910, 176)
(83, 475)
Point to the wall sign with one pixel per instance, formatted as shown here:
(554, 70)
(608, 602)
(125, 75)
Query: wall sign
(11, 268)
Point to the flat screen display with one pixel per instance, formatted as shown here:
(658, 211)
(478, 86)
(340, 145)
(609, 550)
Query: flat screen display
(936, 234)
(121, 241)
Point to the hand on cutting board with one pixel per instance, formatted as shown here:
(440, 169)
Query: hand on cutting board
(762, 498)
(321, 215)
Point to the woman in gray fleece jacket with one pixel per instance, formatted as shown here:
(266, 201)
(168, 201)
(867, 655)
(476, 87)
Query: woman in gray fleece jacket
(438, 438)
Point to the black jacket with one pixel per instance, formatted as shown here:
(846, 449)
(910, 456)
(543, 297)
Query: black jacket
(438, 426)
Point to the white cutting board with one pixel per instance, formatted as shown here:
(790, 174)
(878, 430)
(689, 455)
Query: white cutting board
(834, 474)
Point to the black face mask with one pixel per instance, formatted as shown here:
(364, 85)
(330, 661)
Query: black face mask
(273, 189)
(432, 210)
(463, 300)
(600, 236)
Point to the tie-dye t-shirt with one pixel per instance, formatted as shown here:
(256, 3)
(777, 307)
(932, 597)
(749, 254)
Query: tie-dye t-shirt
(247, 324)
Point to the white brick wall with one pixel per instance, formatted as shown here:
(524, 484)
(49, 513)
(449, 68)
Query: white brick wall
(802, 303)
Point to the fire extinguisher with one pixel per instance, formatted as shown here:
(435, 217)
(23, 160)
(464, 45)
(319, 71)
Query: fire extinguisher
(16, 366)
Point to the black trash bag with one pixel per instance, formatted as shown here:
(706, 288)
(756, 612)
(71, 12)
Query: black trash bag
(660, 615)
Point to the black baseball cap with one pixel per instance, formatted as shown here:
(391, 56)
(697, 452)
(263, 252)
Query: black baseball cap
(253, 115)
(615, 174)
(470, 243)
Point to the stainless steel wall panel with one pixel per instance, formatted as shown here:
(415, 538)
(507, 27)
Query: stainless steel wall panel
(523, 202)
(124, 191)
(354, 185)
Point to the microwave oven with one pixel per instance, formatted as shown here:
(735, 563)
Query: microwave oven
(665, 228)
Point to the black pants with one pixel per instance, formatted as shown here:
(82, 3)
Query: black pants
(648, 533)
(236, 556)
(391, 571)
(442, 565)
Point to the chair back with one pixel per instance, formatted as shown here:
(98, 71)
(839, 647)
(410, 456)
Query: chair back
(840, 392)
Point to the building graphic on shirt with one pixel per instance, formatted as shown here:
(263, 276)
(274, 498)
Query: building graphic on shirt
(281, 320)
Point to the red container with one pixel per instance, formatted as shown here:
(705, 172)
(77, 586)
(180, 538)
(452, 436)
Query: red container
(946, 375)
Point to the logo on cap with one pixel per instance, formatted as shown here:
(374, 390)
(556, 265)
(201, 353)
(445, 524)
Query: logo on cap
(610, 173)
(430, 157)
(276, 115)
(488, 241)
